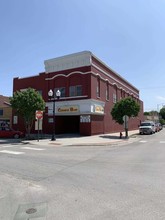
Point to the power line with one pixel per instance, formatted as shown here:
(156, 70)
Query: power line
(154, 87)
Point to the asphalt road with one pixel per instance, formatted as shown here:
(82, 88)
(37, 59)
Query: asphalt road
(84, 182)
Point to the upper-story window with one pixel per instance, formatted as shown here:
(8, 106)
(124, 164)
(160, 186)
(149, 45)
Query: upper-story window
(40, 92)
(107, 91)
(1, 112)
(115, 94)
(98, 87)
(62, 90)
(75, 90)
(114, 98)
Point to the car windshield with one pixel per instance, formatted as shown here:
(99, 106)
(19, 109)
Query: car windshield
(146, 124)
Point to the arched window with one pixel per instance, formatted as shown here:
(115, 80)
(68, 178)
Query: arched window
(98, 87)
(114, 93)
(107, 91)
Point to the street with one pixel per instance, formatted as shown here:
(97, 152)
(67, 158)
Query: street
(118, 182)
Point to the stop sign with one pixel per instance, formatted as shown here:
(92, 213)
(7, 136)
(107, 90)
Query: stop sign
(39, 114)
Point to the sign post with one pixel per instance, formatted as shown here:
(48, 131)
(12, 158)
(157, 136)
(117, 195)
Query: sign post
(39, 117)
(125, 119)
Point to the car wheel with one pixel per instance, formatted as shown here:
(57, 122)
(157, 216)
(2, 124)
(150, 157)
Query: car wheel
(16, 136)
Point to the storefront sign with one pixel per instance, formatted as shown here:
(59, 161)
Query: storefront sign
(99, 109)
(68, 109)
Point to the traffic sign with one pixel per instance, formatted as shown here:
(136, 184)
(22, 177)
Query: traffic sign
(39, 114)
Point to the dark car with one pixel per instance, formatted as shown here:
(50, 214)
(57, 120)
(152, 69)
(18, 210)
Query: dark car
(6, 132)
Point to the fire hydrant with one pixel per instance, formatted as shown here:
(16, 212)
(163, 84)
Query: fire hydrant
(121, 135)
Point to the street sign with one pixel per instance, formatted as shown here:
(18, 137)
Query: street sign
(38, 124)
(39, 114)
(125, 119)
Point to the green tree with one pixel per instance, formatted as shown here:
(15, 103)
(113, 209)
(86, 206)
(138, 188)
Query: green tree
(162, 121)
(126, 106)
(162, 113)
(25, 104)
(147, 113)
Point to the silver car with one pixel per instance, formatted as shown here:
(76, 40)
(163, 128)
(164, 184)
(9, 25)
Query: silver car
(147, 127)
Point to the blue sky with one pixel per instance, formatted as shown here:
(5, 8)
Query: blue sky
(129, 36)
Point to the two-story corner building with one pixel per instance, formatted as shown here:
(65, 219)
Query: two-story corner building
(5, 111)
(89, 89)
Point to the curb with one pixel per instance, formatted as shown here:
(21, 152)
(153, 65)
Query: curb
(130, 139)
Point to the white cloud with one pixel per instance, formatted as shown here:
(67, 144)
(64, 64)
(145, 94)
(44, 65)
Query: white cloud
(161, 98)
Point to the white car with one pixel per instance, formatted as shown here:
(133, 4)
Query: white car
(147, 127)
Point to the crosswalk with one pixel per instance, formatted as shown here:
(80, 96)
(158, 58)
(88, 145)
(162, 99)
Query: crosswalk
(11, 152)
(18, 150)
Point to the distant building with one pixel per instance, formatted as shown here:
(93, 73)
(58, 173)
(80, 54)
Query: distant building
(5, 111)
(152, 116)
(89, 89)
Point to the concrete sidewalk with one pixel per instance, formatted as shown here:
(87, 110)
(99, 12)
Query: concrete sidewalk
(95, 140)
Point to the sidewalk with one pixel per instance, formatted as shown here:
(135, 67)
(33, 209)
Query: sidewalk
(95, 140)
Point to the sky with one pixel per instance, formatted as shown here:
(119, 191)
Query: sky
(127, 35)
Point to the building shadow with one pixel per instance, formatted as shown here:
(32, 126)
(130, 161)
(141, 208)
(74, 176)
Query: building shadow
(113, 137)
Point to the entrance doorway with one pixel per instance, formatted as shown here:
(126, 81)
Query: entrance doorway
(68, 124)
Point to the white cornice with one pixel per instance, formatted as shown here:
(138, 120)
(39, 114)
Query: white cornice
(72, 73)
(98, 75)
(70, 61)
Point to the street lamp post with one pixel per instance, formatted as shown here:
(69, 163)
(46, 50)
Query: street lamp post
(52, 97)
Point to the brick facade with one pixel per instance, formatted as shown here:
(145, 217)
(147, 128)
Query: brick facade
(89, 89)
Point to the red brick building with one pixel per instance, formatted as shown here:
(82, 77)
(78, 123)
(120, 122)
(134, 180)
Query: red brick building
(89, 89)
(5, 111)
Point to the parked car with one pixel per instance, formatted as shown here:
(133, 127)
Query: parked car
(160, 126)
(6, 132)
(147, 127)
(157, 127)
